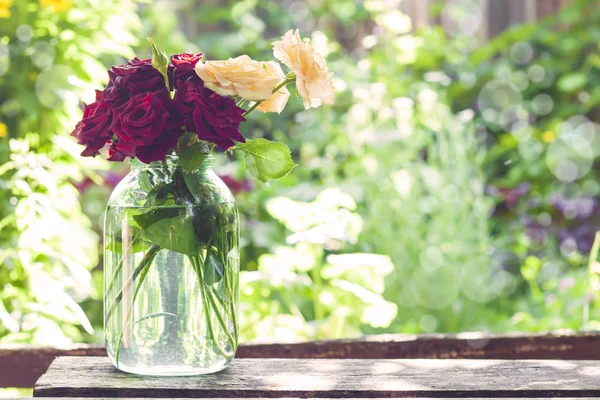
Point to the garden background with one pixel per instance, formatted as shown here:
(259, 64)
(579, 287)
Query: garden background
(452, 187)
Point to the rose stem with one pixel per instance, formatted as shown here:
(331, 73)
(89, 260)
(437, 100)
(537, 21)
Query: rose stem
(198, 267)
(231, 298)
(214, 307)
(149, 255)
(229, 293)
(120, 265)
(230, 290)
(146, 262)
(166, 167)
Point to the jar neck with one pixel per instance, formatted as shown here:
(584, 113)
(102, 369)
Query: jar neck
(171, 162)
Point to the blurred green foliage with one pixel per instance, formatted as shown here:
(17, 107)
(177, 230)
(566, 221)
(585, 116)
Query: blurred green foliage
(305, 291)
(452, 187)
(52, 57)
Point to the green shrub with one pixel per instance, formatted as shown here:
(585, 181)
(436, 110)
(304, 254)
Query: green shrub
(51, 59)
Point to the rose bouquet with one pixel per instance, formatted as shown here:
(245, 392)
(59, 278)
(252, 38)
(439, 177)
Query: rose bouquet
(171, 229)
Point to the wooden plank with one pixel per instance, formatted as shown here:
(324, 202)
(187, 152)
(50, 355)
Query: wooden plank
(269, 378)
(21, 366)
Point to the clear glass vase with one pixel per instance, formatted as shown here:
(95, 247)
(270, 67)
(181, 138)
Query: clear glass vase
(171, 271)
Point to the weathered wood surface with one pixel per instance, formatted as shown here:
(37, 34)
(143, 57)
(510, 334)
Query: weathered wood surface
(21, 366)
(276, 378)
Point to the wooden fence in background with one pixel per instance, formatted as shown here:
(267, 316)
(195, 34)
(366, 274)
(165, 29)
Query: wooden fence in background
(496, 15)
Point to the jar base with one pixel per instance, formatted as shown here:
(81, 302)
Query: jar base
(174, 370)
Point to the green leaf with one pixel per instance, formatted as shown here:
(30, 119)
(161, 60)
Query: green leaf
(156, 196)
(187, 139)
(572, 82)
(191, 157)
(213, 267)
(135, 242)
(191, 151)
(181, 191)
(160, 61)
(145, 182)
(267, 160)
(175, 234)
(116, 246)
(151, 217)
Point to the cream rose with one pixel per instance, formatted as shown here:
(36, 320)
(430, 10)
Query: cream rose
(313, 80)
(278, 100)
(240, 76)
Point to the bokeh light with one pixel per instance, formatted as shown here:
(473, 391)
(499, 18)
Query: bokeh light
(24, 33)
(42, 55)
(461, 17)
(521, 53)
(54, 87)
(4, 59)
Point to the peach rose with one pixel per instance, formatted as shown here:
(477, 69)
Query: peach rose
(313, 80)
(240, 76)
(278, 100)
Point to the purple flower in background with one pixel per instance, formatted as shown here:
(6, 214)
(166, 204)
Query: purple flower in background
(512, 195)
(235, 185)
(577, 208)
(536, 231)
(112, 179)
(582, 235)
(84, 185)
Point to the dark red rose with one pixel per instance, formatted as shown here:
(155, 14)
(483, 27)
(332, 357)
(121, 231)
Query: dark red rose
(135, 77)
(146, 128)
(115, 95)
(212, 117)
(93, 131)
(142, 119)
(160, 147)
(134, 114)
(183, 67)
(114, 154)
(186, 61)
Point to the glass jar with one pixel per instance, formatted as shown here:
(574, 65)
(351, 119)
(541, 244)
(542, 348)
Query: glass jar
(171, 271)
